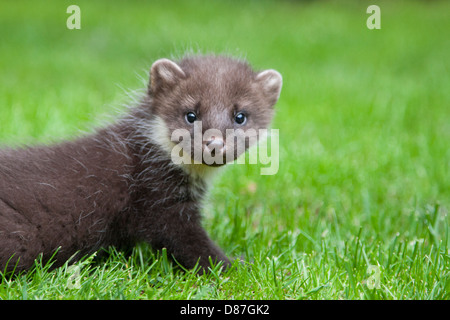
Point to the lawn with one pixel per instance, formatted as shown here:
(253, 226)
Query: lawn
(359, 207)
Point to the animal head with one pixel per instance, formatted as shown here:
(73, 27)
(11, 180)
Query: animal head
(211, 107)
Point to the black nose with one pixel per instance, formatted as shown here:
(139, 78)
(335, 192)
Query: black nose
(215, 145)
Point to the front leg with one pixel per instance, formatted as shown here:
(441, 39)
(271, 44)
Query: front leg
(179, 230)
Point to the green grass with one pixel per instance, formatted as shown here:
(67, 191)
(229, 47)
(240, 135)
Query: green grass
(364, 121)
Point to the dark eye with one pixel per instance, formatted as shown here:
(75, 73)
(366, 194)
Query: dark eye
(191, 117)
(240, 118)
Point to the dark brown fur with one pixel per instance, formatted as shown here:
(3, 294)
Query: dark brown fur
(118, 186)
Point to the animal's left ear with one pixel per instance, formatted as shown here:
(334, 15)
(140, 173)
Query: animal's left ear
(271, 82)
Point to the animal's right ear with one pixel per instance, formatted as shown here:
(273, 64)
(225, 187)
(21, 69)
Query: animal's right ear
(164, 74)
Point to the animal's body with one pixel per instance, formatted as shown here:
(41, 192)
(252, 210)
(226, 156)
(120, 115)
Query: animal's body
(119, 185)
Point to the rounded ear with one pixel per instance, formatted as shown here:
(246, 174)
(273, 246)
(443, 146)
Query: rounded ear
(164, 74)
(271, 82)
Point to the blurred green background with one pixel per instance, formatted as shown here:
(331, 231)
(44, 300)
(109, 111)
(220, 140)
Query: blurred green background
(364, 115)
